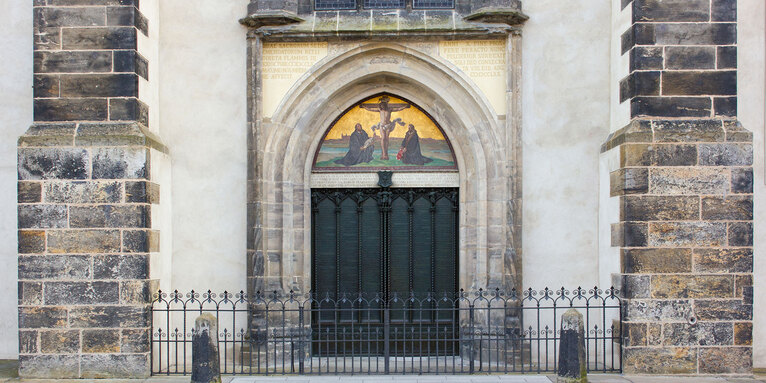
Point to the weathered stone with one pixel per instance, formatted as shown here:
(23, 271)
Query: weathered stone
(572, 362)
(205, 363)
(42, 216)
(738, 208)
(635, 286)
(742, 180)
(100, 341)
(48, 134)
(727, 57)
(98, 38)
(628, 181)
(84, 241)
(54, 267)
(64, 366)
(110, 134)
(83, 192)
(688, 131)
(666, 360)
(142, 192)
(109, 316)
(30, 293)
(60, 341)
(128, 109)
(81, 293)
(99, 85)
(135, 341)
(45, 86)
(690, 57)
(670, 10)
(103, 366)
(735, 132)
(647, 106)
(702, 334)
(724, 10)
(140, 241)
(71, 109)
(46, 17)
(42, 317)
(695, 34)
(28, 342)
(686, 234)
(646, 58)
(659, 208)
(31, 241)
(653, 334)
(693, 83)
(723, 260)
(725, 106)
(740, 233)
(726, 154)
(650, 261)
(634, 334)
(109, 216)
(48, 38)
(742, 287)
(121, 266)
(658, 155)
(52, 163)
(692, 286)
(743, 333)
(658, 310)
(629, 234)
(635, 131)
(726, 360)
(136, 292)
(724, 309)
(29, 192)
(644, 83)
(73, 61)
(132, 62)
(112, 163)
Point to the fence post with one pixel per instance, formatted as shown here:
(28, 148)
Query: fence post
(386, 336)
(470, 337)
(301, 353)
(572, 368)
(205, 362)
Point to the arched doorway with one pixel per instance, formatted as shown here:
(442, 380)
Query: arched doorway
(386, 239)
(384, 253)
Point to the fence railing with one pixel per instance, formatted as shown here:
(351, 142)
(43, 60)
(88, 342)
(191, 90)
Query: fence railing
(367, 333)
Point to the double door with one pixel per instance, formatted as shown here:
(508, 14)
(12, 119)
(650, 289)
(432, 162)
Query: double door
(381, 258)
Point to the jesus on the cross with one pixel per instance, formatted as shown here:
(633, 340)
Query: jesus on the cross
(385, 125)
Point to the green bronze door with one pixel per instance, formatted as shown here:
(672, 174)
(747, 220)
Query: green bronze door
(389, 245)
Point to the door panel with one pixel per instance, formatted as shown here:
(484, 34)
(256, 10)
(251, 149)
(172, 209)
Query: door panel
(389, 242)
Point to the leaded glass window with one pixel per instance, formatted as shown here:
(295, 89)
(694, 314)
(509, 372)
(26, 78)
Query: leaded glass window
(433, 4)
(383, 4)
(327, 5)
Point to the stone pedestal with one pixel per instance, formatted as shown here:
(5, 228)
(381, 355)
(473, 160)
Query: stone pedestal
(205, 360)
(572, 367)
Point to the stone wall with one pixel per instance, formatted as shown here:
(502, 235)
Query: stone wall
(85, 196)
(685, 185)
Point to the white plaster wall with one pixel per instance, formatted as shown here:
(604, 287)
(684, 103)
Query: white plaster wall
(751, 85)
(15, 118)
(620, 64)
(202, 67)
(566, 92)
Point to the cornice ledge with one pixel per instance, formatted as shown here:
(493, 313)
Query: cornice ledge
(270, 18)
(492, 15)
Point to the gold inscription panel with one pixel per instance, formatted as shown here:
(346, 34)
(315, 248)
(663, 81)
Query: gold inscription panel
(484, 62)
(282, 65)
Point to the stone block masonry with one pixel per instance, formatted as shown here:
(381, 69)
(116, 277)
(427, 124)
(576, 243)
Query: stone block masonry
(683, 58)
(85, 196)
(685, 238)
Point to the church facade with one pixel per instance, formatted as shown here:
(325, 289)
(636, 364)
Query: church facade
(295, 145)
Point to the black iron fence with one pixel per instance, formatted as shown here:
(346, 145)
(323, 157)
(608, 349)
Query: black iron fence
(466, 332)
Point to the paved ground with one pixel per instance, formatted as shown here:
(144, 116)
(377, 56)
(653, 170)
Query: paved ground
(8, 374)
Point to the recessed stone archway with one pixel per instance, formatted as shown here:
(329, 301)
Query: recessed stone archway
(279, 258)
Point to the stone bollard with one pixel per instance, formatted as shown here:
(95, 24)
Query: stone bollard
(572, 367)
(205, 365)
